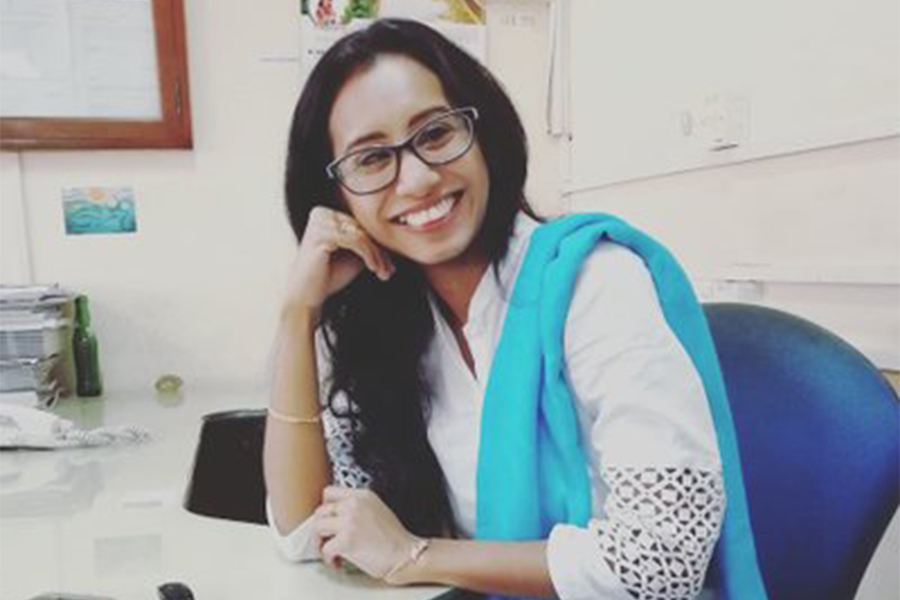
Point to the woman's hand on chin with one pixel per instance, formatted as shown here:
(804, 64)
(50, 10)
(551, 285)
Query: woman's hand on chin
(333, 252)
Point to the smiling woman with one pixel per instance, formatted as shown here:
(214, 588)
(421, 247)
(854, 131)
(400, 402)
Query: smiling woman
(450, 368)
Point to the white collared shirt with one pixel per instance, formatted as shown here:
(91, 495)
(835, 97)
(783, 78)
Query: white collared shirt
(644, 421)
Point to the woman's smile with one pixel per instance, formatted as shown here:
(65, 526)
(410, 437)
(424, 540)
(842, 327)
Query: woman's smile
(430, 217)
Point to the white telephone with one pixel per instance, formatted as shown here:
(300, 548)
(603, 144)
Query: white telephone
(26, 427)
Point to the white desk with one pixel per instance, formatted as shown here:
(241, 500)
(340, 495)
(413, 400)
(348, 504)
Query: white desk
(109, 521)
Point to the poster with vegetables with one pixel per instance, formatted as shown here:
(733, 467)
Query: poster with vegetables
(324, 21)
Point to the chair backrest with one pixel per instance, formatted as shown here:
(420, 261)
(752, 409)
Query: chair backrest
(819, 434)
(227, 476)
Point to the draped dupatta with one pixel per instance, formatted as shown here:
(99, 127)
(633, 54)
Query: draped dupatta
(532, 472)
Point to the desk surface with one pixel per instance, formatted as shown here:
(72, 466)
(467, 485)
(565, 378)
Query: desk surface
(109, 521)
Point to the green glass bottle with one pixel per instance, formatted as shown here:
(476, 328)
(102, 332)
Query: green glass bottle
(86, 352)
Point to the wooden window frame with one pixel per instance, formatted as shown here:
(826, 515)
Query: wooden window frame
(172, 131)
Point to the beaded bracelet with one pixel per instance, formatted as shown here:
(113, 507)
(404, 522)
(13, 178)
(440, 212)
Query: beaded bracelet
(285, 418)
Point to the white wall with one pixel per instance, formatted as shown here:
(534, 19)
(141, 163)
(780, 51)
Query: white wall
(196, 290)
(816, 232)
(519, 55)
(823, 210)
(14, 254)
(819, 230)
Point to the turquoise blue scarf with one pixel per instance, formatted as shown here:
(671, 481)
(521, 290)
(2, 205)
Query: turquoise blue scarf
(532, 472)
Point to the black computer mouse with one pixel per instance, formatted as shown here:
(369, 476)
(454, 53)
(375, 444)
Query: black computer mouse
(174, 590)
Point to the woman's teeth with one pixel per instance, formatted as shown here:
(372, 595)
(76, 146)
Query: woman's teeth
(429, 215)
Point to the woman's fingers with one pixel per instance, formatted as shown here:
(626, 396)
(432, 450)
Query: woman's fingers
(326, 527)
(333, 252)
(326, 520)
(351, 236)
(355, 525)
(331, 553)
(334, 230)
(325, 531)
(332, 494)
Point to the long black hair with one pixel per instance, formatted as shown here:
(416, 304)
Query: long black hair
(378, 333)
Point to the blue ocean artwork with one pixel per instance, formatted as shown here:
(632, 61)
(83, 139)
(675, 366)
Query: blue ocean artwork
(99, 210)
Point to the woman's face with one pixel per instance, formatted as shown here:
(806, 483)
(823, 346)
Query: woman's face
(430, 214)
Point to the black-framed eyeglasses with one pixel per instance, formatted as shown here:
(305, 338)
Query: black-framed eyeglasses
(439, 141)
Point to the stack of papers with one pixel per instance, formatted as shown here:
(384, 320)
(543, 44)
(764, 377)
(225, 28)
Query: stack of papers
(35, 329)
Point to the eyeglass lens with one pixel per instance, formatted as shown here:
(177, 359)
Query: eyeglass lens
(438, 142)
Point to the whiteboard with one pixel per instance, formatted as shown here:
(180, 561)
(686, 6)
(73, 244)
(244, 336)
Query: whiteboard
(78, 59)
(661, 87)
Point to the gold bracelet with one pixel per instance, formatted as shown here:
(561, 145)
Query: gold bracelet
(415, 551)
(285, 418)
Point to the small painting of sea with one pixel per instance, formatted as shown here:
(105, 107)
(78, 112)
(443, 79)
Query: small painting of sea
(99, 210)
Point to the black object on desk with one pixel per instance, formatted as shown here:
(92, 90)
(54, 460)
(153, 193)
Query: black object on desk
(174, 591)
(227, 477)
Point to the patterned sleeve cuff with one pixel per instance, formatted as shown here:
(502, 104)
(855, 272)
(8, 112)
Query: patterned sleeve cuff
(654, 544)
(662, 526)
(576, 565)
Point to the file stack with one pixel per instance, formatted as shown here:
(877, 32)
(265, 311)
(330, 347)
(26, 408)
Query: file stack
(35, 341)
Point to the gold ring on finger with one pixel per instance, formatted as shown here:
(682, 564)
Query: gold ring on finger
(347, 226)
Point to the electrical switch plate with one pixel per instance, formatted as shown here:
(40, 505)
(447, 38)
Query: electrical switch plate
(723, 122)
(719, 122)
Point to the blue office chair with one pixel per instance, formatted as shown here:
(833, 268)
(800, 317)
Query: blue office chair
(819, 434)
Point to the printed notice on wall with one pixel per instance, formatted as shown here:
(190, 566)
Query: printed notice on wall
(92, 210)
(326, 21)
